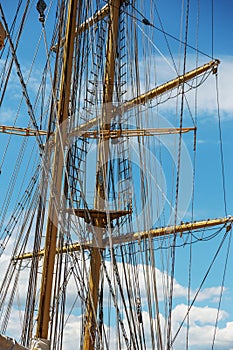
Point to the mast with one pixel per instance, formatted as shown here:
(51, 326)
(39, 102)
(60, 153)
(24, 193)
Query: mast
(100, 215)
(101, 176)
(2, 35)
(57, 172)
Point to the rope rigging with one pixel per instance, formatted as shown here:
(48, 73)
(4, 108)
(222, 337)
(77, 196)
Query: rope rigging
(21, 79)
(177, 187)
(202, 283)
(136, 284)
(221, 147)
(147, 22)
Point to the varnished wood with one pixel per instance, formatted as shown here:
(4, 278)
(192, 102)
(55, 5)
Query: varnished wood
(135, 236)
(90, 327)
(57, 174)
(149, 95)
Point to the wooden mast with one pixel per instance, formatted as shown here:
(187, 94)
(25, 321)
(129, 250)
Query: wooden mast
(57, 173)
(50, 251)
(113, 8)
(101, 176)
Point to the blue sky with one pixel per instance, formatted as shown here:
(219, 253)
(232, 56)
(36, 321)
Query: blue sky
(208, 195)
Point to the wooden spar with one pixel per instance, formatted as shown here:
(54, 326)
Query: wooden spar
(169, 230)
(98, 16)
(94, 19)
(149, 95)
(142, 99)
(88, 23)
(159, 90)
(54, 202)
(101, 176)
(14, 130)
(51, 250)
(2, 35)
(113, 134)
(158, 232)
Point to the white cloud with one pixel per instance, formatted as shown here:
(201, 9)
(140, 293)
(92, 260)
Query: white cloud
(202, 328)
(210, 293)
(206, 93)
(201, 331)
(226, 86)
(202, 318)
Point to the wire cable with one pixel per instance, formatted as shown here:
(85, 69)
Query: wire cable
(221, 147)
(222, 285)
(147, 22)
(200, 287)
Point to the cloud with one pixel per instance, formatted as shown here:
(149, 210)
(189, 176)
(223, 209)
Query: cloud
(14, 108)
(7, 115)
(202, 328)
(207, 94)
(201, 315)
(226, 86)
(201, 318)
(162, 71)
(211, 293)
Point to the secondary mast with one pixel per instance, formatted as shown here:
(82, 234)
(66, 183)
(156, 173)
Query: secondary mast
(54, 202)
(99, 215)
(94, 223)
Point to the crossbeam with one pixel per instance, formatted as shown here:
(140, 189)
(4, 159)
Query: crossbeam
(94, 19)
(137, 236)
(169, 230)
(98, 16)
(15, 130)
(114, 134)
(124, 107)
(151, 94)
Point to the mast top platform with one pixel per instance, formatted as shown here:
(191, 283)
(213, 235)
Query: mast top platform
(103, 217)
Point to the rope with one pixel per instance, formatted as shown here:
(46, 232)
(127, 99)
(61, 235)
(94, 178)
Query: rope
(212, 23)
(225, 206)
(16, 46)
(221, 148)
(146, 22)
(201, 285)
(222, 285)
(18, 211)
(21, 79)
(20, 103)
(12, 26)
(177, 187)
(193, 190)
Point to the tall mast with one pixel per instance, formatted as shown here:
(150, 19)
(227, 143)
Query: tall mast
(101, 175)
(100, 216)
(57, 172)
